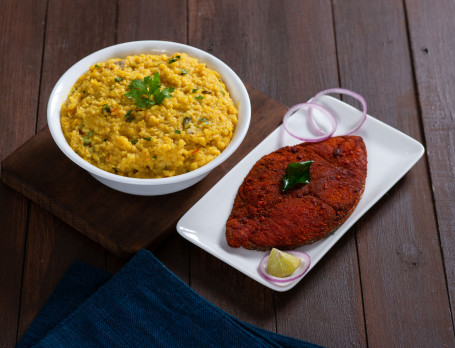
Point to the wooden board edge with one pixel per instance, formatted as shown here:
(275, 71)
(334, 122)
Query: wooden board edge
(47, 203)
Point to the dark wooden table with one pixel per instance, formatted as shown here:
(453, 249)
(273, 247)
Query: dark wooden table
(389, 282)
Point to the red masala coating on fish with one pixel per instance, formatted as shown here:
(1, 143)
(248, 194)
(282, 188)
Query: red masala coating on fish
(264, 217)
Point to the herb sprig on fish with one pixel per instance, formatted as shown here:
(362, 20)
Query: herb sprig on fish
(296, 173)
(148, 92)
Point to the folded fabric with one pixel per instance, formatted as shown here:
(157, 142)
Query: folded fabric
(143, 305)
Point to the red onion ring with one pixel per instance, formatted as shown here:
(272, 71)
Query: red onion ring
(341, 91)
(299, 272)
(312, 124)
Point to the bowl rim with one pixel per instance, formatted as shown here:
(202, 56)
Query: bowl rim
(67, 80)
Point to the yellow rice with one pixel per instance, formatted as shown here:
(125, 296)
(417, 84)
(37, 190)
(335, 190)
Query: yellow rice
(182, 134)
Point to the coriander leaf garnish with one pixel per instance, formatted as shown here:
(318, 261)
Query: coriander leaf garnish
(200, 97)
(194, 90)
(142, 91)
(177, 131)
(296, 173)
(128, 116)
(184, 72)
(148, 139)
(118, 79)
(173, 59)
(133, 141)
(87, 138)
(106, 108)
(203, 119)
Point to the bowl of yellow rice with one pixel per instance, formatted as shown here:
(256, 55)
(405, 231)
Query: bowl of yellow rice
(149, 117)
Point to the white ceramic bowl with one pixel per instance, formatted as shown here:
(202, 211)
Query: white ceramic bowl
(148, 187)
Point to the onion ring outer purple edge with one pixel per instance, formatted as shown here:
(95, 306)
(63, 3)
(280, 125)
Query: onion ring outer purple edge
(310, 105)
(300, 254)
(347, 92)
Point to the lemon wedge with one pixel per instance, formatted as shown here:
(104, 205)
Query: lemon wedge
(281, 264)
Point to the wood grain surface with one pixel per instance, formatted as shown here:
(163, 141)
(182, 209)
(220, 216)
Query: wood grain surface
(404, 244)
(432, 54)
(17, 124)
(390, 281)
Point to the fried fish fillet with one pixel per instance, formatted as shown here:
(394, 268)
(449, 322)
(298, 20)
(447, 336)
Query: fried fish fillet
(264, 217)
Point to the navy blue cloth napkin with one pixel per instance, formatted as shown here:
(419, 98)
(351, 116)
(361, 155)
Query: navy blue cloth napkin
(143, 305)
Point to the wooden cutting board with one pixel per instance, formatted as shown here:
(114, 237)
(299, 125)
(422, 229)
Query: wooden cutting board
(120, 222)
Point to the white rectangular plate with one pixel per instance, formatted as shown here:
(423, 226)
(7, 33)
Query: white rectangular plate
(391, 154)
